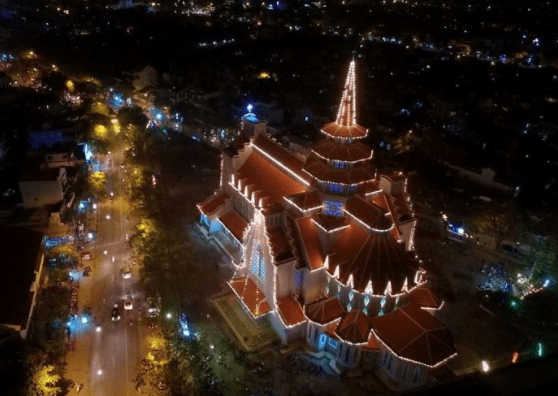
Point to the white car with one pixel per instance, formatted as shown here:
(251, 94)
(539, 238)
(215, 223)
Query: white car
(126, 272)
(128, 303)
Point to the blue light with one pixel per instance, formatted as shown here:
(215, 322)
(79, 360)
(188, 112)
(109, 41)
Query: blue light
(460, 231)
(546, 283)
(250, 107)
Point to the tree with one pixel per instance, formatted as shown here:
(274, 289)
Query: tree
(542, 257)
(42, 381)
(497, 222)
(132, 116)
(97, 183)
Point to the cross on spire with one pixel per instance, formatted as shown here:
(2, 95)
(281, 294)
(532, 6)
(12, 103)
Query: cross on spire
(346, 116)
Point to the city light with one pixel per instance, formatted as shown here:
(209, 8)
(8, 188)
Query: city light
(169, 315)
(485, 366)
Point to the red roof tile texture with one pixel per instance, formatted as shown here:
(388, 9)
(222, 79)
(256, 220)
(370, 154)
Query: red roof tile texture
(306, 200)
(320, 170)
(272, 181)
(371, 215)
(280, 247)
(376, 257)
(332, 150)
(290, 310)
(234, 223)
(423, 297)
(324, 311)
(354, 131)
(250, 295)
(414, 334)
(310, 242)
(354, 327)
(213, 203)
(281, 155)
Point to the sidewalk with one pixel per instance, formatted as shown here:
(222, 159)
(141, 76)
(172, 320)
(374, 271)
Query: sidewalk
(79, 360)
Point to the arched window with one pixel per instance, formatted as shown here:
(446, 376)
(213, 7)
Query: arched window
(258, 263)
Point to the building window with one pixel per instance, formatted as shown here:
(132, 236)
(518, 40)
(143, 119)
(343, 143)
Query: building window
(332, 343)
(336, 187)
(347, 354)
(258, 264)
(333, 208)
(416, 374)
(404, 373)
(298, 279)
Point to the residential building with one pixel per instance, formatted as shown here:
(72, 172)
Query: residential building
(142, 78)
(323, 251)
(42, 186)
(22, 274)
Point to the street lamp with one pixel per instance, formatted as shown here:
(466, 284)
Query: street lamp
(94, 206)
(169, 315)
(108, 217)
(99, 372)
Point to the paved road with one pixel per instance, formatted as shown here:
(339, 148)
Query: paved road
(116, 349)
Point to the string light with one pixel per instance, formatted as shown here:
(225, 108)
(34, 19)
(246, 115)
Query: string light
(346, 115)
(290, 171)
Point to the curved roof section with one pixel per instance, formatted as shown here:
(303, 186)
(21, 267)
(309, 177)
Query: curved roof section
(370, 215)
(251, 296)
(213, 203)
(334, 130)
(414, 334)
(324, 311)
(354, 327)
(320, 170)
(378, 258)
(331, 150)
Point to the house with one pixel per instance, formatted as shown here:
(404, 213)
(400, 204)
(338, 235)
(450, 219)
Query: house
(22, 273)
(323, 251)
(484, 176)
(142, 78)
(42, 186)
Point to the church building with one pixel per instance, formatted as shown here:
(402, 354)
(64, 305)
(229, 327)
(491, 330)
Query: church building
(323, 250)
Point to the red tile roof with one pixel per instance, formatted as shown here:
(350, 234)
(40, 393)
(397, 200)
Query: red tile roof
(423, 297)
(290, 310)
(310, 242)
(354, 131)
(279, 154)
(412, 333)
(369, 214)
(330, 223)
(332, 150)
(354, 327)
(213, 203)
(306, 200)
(280, 247)
(376, 257)
(373, 343)
(320, 170)
(234, 223)
(267, 178)
(324, 311)
(252, 297)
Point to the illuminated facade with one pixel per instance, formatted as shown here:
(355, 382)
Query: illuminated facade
(323, 250)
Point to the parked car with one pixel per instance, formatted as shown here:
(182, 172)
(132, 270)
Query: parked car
(153, 306)
(126, 272)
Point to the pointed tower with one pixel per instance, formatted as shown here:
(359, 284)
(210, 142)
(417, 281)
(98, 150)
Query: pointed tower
(338, 164)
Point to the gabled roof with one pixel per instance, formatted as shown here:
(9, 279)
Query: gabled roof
(315, 257)
(290, 310)
(331, 150)
(414, 334)
(234, 223)
(373, 344)
(424, 298)
(281, 157)
(252, 297)
(377, 257)
(324, 311)
(213, 203)
(268, 179)
(370, 215)
(354, 327)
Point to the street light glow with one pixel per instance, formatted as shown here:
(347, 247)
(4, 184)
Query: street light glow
(169, 315)
(485, 366)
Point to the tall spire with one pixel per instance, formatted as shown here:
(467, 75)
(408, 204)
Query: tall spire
(346, 116)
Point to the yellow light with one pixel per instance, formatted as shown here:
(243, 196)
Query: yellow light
(264, 74)
(100, 131)
(70, 85)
